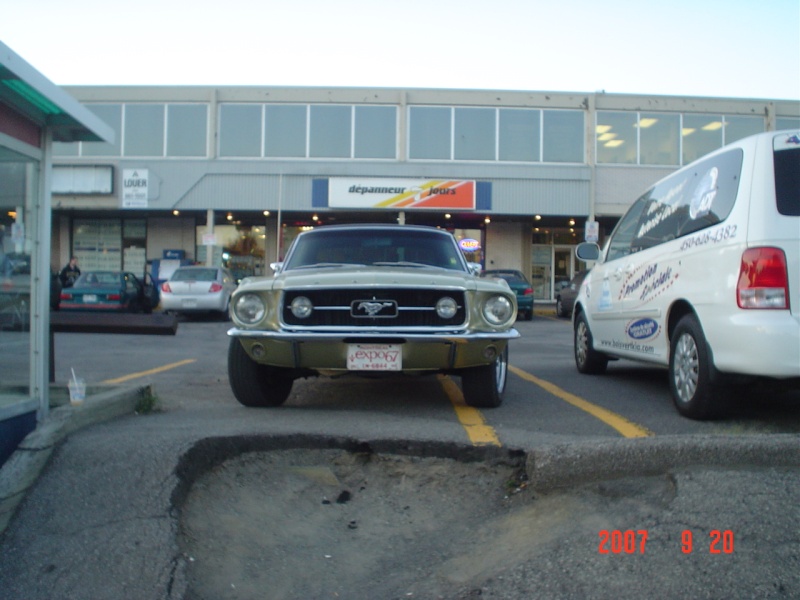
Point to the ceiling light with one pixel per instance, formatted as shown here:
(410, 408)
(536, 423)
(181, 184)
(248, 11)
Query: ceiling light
(176, 212)
(603, 128)
(606, 136)
(487, 220)
(645, 123)
(230, 217)
(266, 213)
(614, 143)
(687, 131)
(713, 126)
(571, 222)
(538, 217)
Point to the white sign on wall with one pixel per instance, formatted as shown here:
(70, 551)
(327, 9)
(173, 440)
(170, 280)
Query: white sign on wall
(134, 188)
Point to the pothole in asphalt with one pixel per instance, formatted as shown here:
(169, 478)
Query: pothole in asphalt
(327, 522)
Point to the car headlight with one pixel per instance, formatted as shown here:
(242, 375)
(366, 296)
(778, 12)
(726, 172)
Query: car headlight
(446, 307)
(301, 307)
(497, 310)
(249, 308)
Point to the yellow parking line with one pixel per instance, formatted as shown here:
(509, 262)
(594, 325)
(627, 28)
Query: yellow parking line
(471, 419)
(151, 371)
(627, 428)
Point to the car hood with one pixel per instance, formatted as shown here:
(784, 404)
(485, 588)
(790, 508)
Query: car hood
(367, 276)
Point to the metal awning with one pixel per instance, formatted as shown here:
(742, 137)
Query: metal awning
(32, 95)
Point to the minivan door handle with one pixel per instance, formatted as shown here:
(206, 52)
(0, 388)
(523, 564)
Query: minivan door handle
(618, 273)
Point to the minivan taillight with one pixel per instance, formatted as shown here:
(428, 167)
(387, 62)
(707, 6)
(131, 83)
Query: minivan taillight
(165, 288)
(763, 279)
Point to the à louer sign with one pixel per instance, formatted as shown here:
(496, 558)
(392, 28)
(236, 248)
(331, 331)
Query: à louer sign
(401, 194)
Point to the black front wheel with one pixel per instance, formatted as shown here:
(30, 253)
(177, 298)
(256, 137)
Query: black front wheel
(587, 359)
(254, 384)
(483, 387)
(694, 393)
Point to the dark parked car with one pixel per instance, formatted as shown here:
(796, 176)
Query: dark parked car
(521, 286)
(566, 294)
(110, 291)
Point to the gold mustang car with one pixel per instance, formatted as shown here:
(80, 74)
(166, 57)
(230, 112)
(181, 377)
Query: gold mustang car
(370, 299)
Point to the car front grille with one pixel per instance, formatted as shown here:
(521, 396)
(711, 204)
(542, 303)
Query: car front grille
(389, 308)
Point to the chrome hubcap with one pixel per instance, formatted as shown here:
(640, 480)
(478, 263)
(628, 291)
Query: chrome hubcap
(501, 371)
(686, 368)
(581, 342)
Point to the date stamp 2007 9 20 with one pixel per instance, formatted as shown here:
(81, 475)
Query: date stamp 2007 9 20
(635, 541)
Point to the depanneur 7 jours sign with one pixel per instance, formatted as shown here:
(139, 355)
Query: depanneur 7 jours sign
(401, 194)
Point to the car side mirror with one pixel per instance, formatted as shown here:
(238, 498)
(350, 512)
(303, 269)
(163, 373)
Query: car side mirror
(587, 251)
(276, 266)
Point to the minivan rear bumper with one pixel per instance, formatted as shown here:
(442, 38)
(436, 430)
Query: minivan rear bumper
(762, 343)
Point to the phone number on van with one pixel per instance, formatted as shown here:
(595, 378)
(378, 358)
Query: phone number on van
(715, 236)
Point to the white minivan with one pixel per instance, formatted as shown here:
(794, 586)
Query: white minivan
(702, 275)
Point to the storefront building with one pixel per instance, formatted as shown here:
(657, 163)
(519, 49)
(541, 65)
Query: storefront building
(34, 114)
(232, 174)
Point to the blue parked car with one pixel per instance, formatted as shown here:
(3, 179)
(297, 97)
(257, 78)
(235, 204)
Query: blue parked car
(521, 286)
(110, 291)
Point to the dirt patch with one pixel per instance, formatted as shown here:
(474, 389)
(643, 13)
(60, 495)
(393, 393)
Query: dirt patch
(330, 523)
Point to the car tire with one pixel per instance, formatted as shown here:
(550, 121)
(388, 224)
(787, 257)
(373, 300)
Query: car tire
(253, 384)
(560, 312)
(588, 360)
(529, 315)
(483, 387)
(690, 372)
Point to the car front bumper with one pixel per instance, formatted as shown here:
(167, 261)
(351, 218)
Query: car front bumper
(328, 351)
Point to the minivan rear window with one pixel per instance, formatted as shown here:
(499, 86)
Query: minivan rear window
(787, 180)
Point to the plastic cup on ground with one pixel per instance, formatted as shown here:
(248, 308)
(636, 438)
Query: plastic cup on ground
(77, 391)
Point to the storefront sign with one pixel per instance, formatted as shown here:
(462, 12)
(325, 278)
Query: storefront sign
(469, 245)
(592, 233)
(134, 188)
(401, 194)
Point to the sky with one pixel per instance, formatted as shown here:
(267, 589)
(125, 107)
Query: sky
(720, 48)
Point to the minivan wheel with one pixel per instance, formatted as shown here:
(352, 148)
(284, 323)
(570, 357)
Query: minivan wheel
(587, 359)
(483, 387)
(693, 393)
(254, 384)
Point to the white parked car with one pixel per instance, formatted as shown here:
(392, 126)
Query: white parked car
(198, 290)
(702, 275)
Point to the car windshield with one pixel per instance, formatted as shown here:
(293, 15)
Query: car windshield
(509, 277)
(194, 275)
(381, 247)
(98, 278)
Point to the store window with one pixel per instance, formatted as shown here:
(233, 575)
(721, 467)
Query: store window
(659, 138)
(429, 132)
(562, 136)
(616, 137)
(329, 135)
(737, 128)
(787, 123)
(701, 134)
(375, 132)
(285, 131)
(111, 114)
(475, 134)
(187, 130)
(519, 135)
(144, 130)
(240, 130)
(19, 177)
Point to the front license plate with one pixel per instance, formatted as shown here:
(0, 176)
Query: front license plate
(89, 298)
(374, 357)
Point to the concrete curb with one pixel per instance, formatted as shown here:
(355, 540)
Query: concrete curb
(23, 468)
(565, 465)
